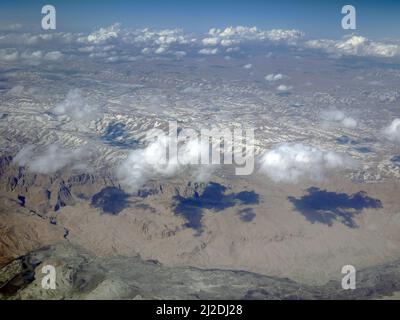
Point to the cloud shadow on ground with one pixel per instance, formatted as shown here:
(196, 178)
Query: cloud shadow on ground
(326, 207)
(214, 198)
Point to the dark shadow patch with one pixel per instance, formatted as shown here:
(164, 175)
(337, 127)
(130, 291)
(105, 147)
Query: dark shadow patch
(115, 135)
(110, 200)
(345, 140)
(59, 204)
(212, 198)
(66, 233)
(396, 159)
(145, 206)
(364, 149)
(21, 200)
(326, 207)
(284, 94)
(246, 214)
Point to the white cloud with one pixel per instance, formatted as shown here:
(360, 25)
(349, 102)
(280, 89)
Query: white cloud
(210, 41)
(104, 34)
(180, 54)
(160, 50)
(338, 117)
(154, 38)
(52, 159)
(28, 56)
(235, 35)
(208, 51)
(392, 131)
(292, 162)
(283, 87)
(228, 43)
(77, 107)
(152, 162)
(8, 55)
(53, 56)
(274, 77)
(248, 66)
(356, 46)
(234, 49)
(349, 122)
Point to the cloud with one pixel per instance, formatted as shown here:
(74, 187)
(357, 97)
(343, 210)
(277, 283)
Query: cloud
(210, 41)
(274, 77)
(37, 39)
(283, 87)
(392, 131)
(356, 46)
(151, 162)
(77, 107)
(121, 43)
(239, 34)
(292, 162)
(207, 51)
(248, 66)
(8, 55)
(155, 38)
(338, 117)
(51, 159)
(28, 56)
(160, 50)
(53, 56)
(104, 34)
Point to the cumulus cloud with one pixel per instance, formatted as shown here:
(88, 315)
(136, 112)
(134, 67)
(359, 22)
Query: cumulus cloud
(283, 88)
(207, 51)
(210, 41)
(274, 77)
(236, 35)
(155, 38)
(292, 162)
(160, 50)
(392, 131)
(77, 107)
(104, 34)
(248, 66)
(24, 40)
(152, 162)
(338, 117)
(355, 46)
(51, 159)
(28, 56)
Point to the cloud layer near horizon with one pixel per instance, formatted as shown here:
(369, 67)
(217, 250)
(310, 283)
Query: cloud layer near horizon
(114, 43)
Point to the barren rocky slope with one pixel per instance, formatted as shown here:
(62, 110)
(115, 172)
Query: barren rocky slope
(80, 275)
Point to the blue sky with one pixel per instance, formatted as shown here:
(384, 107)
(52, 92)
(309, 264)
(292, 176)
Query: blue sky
(375, 19)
